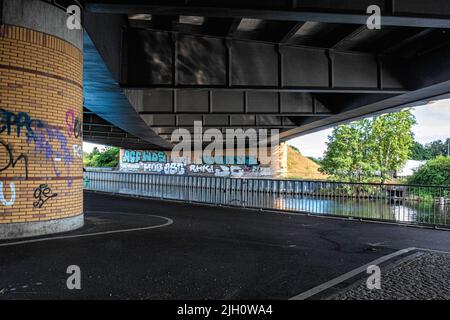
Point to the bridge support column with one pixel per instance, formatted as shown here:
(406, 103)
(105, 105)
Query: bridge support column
(279, 160)
(41, 106)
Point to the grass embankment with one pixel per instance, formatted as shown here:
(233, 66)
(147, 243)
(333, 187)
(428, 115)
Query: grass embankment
(300, 167)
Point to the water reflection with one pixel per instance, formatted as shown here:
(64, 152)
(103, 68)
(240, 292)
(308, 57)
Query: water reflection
(423, 213)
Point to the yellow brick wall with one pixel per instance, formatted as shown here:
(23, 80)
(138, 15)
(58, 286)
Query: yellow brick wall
(40, 105)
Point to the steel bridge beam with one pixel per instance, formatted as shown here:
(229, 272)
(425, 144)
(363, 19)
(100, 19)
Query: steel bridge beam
(406, 13)
(163, 60)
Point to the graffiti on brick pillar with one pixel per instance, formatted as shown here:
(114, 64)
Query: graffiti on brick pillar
(78, 128)
(12, 197)
(42, 194)
(11, 159)
(77, 151)
(46, 139)
(20, 121)
(74, 124)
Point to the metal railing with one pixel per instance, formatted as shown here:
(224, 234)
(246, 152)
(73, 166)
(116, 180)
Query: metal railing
(409, 204)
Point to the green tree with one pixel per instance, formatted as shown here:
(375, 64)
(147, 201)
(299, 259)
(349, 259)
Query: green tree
(109, 157)
(419, 152)
(345, 158)
(430, 150)
(390, 141)
(369, 149)
(433, 172)
(438, 148)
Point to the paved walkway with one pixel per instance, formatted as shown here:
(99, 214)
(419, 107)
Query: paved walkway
(145, 249)
(420, 276)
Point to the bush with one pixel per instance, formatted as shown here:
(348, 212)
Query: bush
(109, 157)
(433, 172)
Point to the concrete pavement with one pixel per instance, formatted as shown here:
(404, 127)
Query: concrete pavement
(135, 248)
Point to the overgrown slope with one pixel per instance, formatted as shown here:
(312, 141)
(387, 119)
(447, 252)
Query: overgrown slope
(300, 167)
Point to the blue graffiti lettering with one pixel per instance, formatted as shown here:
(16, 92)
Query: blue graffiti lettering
(12, 198)
(41, 134)
(244, 160)
(134, 156)
(19, 121)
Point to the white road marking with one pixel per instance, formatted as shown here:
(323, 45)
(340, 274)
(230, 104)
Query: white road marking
(169, 222)
(432, 250)
(348, 275)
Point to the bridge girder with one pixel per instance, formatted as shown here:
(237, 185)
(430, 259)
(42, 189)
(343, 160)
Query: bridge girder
(298, 66)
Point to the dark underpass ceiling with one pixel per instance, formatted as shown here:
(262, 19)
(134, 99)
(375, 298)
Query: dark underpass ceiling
(298, 66)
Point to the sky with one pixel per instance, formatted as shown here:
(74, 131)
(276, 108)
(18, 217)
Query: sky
(433, 123)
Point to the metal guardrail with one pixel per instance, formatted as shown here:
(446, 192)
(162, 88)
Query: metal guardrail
(410, 204)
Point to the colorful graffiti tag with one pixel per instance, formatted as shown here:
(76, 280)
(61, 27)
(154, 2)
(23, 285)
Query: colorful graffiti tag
(136, 156)
(160, 162)
(162, 168)
(234, 160)
(46, 141)
(38, 132)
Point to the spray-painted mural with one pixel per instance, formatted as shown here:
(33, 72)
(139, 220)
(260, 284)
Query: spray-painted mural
(45, 142)
(162, 163)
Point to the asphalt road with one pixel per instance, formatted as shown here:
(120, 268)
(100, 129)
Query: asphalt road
(145, 249)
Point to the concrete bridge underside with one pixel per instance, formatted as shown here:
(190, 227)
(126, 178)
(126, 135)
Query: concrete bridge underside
(298, 66)
(140, 69)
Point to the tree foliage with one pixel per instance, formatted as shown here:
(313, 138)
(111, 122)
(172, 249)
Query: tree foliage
(390, 141)
(433, 172)
(108, 157)
(369, 149)
(344, 158)
(430, 150)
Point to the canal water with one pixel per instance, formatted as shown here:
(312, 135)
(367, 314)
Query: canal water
(427, 213)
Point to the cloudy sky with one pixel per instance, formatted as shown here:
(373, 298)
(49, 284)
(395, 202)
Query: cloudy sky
(433, 123)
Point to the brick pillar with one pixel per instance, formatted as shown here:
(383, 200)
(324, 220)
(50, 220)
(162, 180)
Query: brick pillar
(41, 108)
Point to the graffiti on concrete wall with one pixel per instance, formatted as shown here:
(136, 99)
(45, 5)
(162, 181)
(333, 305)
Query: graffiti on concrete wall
(12, 198)
(185, 160)
(160, 162)
(232, 160)
(42, 194)
(136, 156)
(242, 171)
(235, 171)
(162, 168)
(201, 168)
